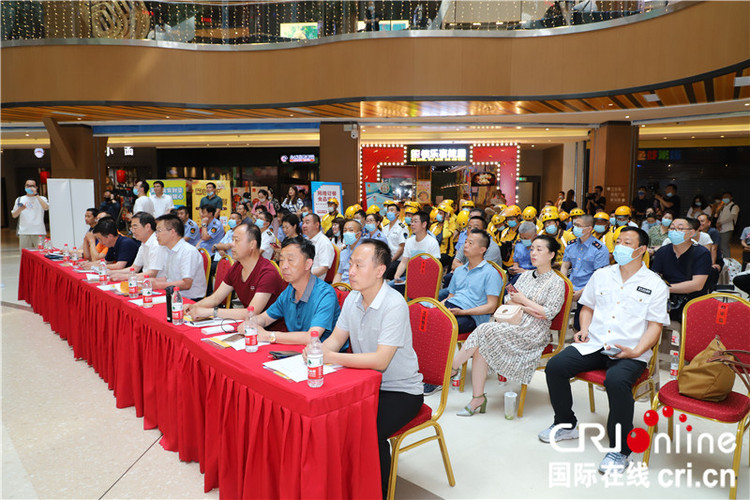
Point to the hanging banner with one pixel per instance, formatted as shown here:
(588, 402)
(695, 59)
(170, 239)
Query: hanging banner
(176, 188)
(379, 192)
(423, 191)
(223, 190)
(322, 192)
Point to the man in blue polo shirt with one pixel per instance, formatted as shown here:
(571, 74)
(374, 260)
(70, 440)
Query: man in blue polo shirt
(309, 303)
(583, 255)
(352, 239)
(192, 231)
(121, 250)
(521, 256)
(476, 286)
(212, 231)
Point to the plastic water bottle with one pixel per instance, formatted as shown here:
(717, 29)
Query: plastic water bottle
(314, 361)
(177, 307)
(74, 257)
(66, 254)
(132, 284)
(47, 245)
(251, 331)
(40, 245)
(146, 291)
(103, 271)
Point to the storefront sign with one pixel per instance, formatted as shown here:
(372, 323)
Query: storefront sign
(299, 158)
(438, 154)
(322, 192)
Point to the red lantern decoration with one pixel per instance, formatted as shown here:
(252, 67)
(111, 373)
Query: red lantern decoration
(121, 176)
(43, 176)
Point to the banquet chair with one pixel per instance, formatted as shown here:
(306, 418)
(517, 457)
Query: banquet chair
(463, 336)
(276, 265)
(704, 318)
(434, 331)
(334, 265)
(342, 286)
(341, 295)
(206, 262)
(424, 274)
(560, 325)
(222, 268)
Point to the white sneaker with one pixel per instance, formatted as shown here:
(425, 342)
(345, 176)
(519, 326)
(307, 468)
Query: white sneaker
(614, 463)
(560, 435)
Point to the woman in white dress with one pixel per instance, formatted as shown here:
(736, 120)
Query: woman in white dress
(514, 350)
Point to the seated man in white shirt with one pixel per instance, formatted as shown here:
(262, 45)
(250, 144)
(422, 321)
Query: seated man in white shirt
(625, 306)
(421, 241)
(184, 262)
(150, 261)
(324, 252)
(163, 203)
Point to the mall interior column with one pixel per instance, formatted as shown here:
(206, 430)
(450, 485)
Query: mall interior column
(339, 158)
(614, 147)
(76, 154)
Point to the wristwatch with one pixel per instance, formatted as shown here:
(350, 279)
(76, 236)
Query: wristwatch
(216, 312)
(272, 337)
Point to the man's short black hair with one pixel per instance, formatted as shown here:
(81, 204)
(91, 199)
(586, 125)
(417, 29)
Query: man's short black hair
(253, 232)
(643, 238)
(211, 184)
(362, 213)
(694, 224)
(159, 183)
(484, 237)
(173, 222)
(267, 216)
(599, 188)
(424, 217)
(209, 208)
(106, 227)
(315, 217)
(381, 252)
(182, 207)
(727, 192)
(484, 222)
(144, 185)
(305, 246)
(94, 211)
(145, 219)
(672, 185)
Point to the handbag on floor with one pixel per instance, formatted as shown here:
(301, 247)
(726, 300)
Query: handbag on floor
(705, 377)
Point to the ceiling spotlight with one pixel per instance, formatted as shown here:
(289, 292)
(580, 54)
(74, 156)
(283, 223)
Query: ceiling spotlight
(627, 116)
(166, 116)
(546, 128)
(532, 145)
(642, 126)
(518, 127)
(722, 136)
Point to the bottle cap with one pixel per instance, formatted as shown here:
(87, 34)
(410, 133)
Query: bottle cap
(313, 333)
(251, 309)
(177, 289)
(132, 269)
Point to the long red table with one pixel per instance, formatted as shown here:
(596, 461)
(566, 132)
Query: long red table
(255, 434)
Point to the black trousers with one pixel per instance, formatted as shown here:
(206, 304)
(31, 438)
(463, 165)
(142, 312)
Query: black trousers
(395, 410)
(742, 282)
(621, 375)
(466, 324)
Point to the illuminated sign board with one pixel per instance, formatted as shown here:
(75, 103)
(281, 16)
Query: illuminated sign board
(438, 154)
(299, 158)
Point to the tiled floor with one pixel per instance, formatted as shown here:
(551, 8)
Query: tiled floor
(63, 437)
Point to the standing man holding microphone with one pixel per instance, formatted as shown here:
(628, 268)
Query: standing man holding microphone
(29, 210)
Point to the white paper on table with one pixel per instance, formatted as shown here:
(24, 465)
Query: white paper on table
(107, 288)
(213, 322)
(294, 367)
(92, 277)
(226, 328)
(159, 299)
(238, 344)
(84, 271)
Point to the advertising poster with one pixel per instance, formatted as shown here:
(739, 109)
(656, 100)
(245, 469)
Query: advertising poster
(176, 188)
(223, 190)
(423, 191)
(321, 192)
(379, 192)
(239, 195)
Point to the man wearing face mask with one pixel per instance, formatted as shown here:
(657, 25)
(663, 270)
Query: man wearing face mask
(624, 308)
(641, 203)
(728, 212)
(521, 255)
(396, 233)
(551, 226)
(224, 247)
(263, 221)
(29, 210)
(142, 202)
(327, 220)
(212, 199)
(583, 255)
(110, 205)
(670, 199)
(601, 225)
(445, 232)
(684, 266)
(509, 236)
(352, 239)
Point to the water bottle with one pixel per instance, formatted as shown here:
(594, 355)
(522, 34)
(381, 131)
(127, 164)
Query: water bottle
(251, 331)
(66, 254)
(74, 258)
(146, 292)
(132, 284)
(314, 361)
(40, 245)
(176, 307)
(47, 245)
(103, 271)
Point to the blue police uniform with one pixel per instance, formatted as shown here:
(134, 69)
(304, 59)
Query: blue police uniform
(585, 258)
(522, 256)
(192, 232)
(376, 235)
(461, 240)
(346, 254)
(215, 232)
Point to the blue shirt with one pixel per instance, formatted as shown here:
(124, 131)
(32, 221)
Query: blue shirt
(346, 253)
(461, 240)
(585, 258)
(125, 249)
(215, 232)
(470, 287)
(226, 239)
(318, 306)
(192, 232)
(522, 257)
(377, 235)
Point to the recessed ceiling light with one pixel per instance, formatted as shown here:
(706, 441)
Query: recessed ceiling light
(518, 127)
(546, 128)
(532, 145)
(166, 116)
(610, 104)
(651, 97)
(722, 136)
(627, 116)
(741, 81)
(642, 126)
(747, 104)
(665, 137)
(692, 137)
(27, 135)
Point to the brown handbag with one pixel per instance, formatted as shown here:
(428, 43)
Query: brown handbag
(706, 378)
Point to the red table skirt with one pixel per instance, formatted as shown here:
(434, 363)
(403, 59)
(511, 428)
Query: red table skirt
(254, 434)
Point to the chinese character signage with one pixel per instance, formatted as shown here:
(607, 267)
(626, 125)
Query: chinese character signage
(659, 154)
(176, 188)
(451, 154)
(322, 192)
(299, 158)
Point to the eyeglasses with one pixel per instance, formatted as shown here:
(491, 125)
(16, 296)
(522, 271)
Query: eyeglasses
(682, 229)
(580, 225)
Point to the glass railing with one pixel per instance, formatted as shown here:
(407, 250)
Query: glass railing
(266, 22)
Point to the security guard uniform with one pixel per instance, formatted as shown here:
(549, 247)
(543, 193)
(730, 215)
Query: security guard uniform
(192, 232)
(215, 232)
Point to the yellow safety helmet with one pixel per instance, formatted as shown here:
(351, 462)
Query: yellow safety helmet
(373, 209)
(602, 215)
(551, 208)
(413, 204)
(563, 216)
(462, 219)
(500, 208)
(529, 213)
(466, 204)
(577, 212)
(411, 209)
(623, 210)
(512, 211)
(433, 214)
(497, 220)
(549, 215)
(334, 201)
(388, 203)
(446, 207)
(351, 210)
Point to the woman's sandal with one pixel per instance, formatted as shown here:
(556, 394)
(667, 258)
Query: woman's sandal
(468, 412)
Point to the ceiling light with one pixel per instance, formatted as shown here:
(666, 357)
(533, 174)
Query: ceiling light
(302, 110)
(747, 104)
(518, 127)
(722, 136)
(546, 128)
(692, 137)
(66, 113)
(198, 111)
(532, 145)
(627, 116)
(741, 81)
(166, 116)
(27, 135)
(610, 104)
(665, 137)
(642, 126)
(651, 97)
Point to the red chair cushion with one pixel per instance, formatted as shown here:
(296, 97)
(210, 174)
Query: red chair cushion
(425, 413)
(463, 336)
(548, 349)
(732, 409)
(598, 376)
